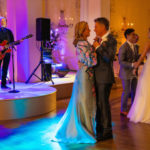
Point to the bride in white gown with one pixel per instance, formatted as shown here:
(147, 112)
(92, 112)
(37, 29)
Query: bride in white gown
(140, 110)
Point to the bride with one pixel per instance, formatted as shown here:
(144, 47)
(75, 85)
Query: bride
(140, 110)
(77, 124)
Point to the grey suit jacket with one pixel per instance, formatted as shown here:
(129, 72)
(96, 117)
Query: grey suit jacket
(105, 56)
(126, 58)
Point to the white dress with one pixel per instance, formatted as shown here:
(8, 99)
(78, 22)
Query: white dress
(140, 110)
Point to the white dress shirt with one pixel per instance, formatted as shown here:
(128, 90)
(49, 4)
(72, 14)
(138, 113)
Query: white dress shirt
(103, 38)
(131, 45)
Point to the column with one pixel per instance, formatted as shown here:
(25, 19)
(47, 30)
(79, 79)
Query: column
(21, 16)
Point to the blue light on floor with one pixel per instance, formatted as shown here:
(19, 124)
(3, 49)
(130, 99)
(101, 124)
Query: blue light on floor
(34, 135)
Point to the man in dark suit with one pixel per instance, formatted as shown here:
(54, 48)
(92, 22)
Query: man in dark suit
(5, 34)
(105, 45)
(128, 56)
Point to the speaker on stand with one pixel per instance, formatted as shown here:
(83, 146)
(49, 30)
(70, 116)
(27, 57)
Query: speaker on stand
(43, 29)
(42, 35)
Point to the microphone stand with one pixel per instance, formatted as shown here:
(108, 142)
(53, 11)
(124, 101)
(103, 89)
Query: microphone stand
(14, 90)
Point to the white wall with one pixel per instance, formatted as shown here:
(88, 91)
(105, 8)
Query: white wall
(91, 9)
(21, 15)
(71, 9)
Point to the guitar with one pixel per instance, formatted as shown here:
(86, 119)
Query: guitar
(7, 46)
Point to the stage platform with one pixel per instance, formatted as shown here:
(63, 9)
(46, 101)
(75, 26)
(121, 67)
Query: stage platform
(63, 85)
(36, 98)
(32, 100)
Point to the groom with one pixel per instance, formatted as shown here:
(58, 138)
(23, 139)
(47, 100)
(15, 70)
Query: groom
(105, 45)
(128, 56)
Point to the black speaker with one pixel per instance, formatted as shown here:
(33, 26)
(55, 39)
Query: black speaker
(42, 29)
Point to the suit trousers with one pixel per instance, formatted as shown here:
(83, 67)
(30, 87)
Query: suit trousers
(103, 113)
(129, 87)
(4, 69)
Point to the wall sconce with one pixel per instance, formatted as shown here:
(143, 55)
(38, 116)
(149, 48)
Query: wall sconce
(126, 24)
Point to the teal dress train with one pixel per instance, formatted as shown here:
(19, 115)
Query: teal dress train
(78, 123)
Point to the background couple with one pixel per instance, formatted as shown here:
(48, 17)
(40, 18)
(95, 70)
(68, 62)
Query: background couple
(140, 93)
(88, 117)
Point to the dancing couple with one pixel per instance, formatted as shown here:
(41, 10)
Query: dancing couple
(137, 87)
(88, 116)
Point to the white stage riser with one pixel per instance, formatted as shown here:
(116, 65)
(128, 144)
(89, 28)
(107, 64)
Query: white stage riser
(23, 108)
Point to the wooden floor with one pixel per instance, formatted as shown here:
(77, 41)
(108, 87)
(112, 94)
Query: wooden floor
(127, 135)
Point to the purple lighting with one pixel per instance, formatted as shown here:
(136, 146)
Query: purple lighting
(17, 17)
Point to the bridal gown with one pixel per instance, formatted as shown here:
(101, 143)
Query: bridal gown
(78, 123)
(140, 110)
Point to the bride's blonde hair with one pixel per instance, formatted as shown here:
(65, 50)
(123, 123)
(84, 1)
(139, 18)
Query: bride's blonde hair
(79, 29)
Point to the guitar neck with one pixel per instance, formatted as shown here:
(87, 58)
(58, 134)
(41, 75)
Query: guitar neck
(12, 44)
(16, 42)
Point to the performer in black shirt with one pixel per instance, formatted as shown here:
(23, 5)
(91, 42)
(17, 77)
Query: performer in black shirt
(5, 34)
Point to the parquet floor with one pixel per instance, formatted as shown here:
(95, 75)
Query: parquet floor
(33, 133)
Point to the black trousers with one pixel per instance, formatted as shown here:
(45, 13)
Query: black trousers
(4, 68)
(103, 113)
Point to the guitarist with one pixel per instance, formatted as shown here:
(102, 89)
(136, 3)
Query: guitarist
(5, 34)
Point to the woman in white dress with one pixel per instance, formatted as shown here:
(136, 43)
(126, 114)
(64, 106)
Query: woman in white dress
(140, 110)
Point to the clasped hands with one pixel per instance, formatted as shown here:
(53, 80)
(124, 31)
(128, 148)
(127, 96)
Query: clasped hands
(96, 43)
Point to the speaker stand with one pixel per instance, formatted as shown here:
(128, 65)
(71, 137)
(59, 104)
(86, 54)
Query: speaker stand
(42, 68)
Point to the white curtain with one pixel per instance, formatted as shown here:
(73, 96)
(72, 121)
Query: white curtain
(3, 8)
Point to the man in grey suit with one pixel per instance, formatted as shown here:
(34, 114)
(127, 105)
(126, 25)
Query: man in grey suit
(105, 45)
(128, 56)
